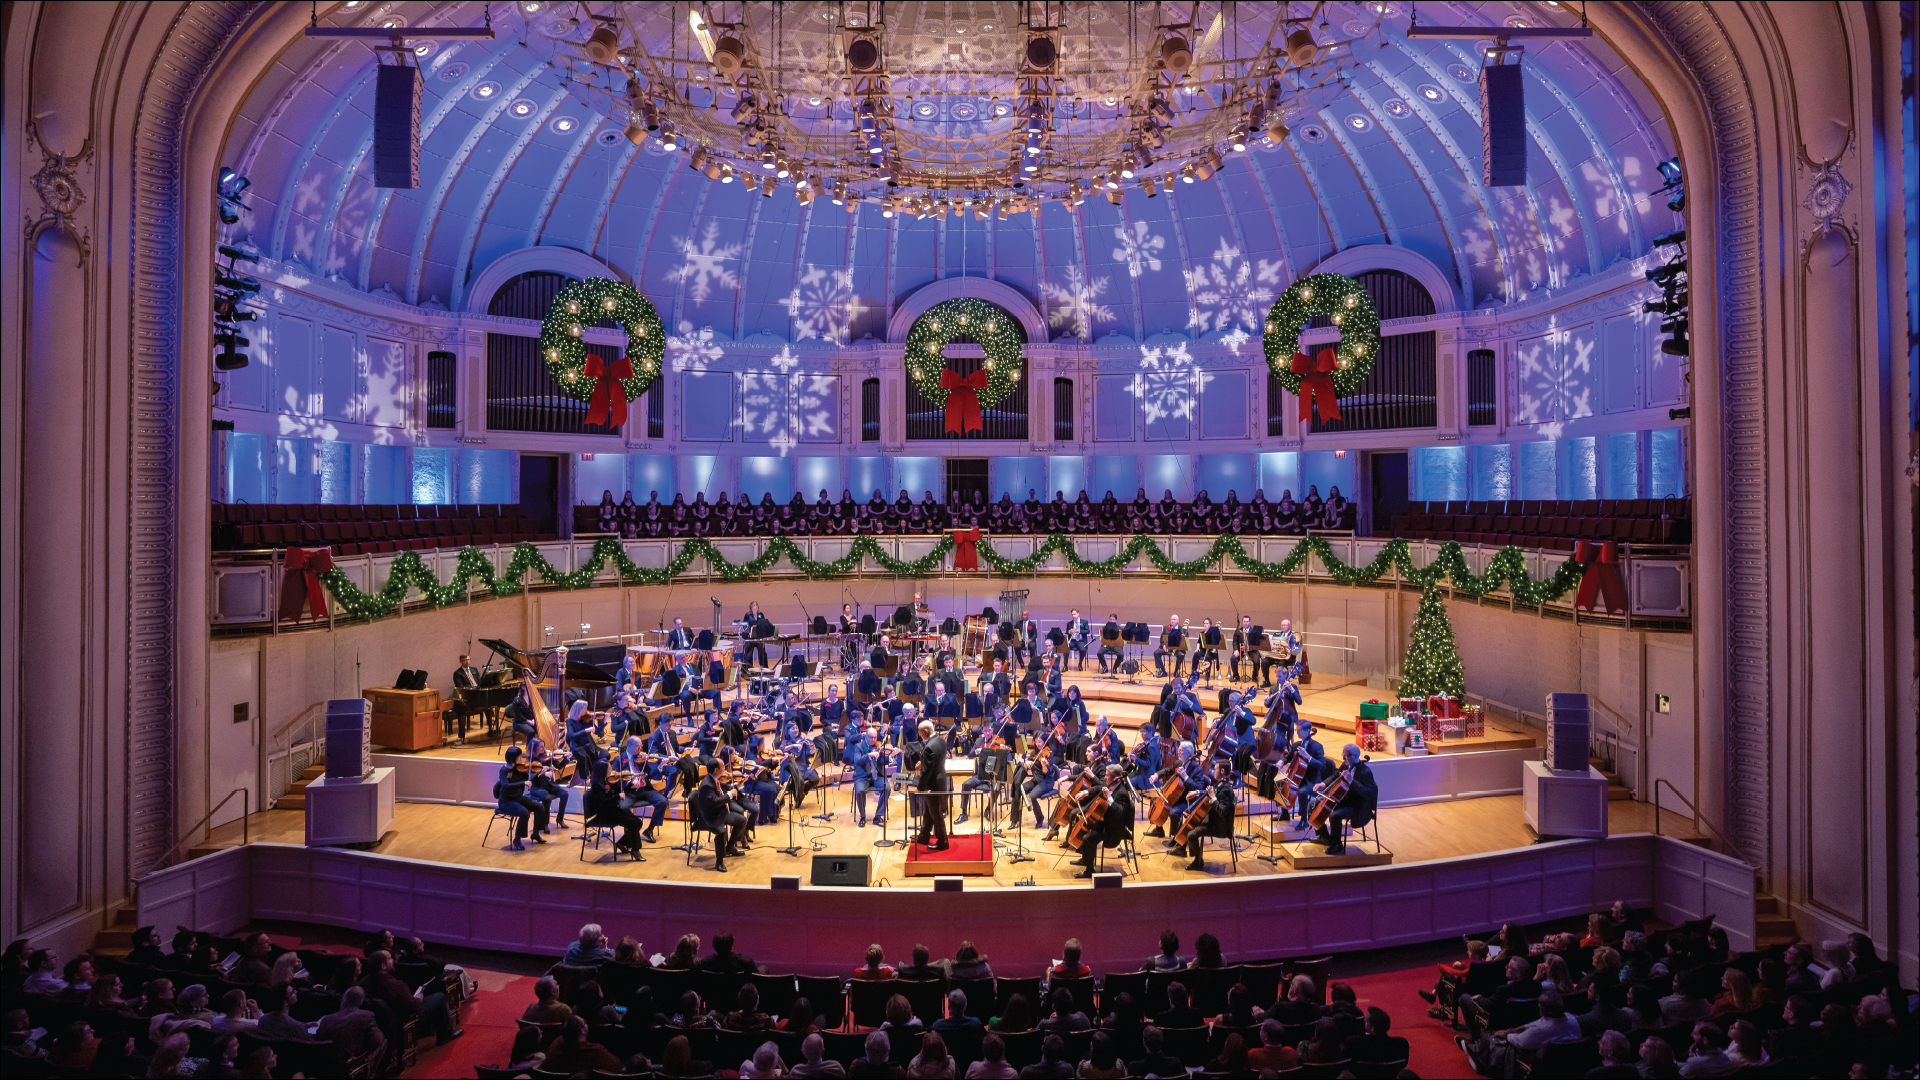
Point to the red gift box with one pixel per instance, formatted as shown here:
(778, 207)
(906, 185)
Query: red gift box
(1475, 721)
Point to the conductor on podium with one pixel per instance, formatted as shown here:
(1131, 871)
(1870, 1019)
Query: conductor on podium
(933, 784)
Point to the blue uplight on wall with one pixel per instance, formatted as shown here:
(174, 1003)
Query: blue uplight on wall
(432, 475)
(1539, 469)
(1439, 474)
(1620, 479)
(1666, 466)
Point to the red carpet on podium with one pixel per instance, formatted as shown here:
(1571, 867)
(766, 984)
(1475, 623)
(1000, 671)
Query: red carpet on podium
(966, 853)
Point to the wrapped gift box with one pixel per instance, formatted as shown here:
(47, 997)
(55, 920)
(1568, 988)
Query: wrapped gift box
(1429, 726)
(1373, 710)
(1411, 706)
(1474, 722)
(1371, 738)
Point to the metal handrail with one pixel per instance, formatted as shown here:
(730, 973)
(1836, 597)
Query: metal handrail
(289, 725)
(246, 823)
(1697, 816)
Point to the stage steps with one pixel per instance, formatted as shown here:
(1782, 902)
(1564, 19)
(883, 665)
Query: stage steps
(1616, 791)
(296, 796)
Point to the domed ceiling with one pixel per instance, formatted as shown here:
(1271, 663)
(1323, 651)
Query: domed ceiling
(522, 145)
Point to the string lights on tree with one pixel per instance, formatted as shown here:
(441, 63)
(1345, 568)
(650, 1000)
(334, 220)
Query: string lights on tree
(1346, 304)
(583, 305)
(1432, 665)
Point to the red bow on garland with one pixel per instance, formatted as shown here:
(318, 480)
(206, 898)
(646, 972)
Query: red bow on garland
(1316, 384)
(1602, 578)
(963, 400)
(966, 549)
(300, 586)
(609, 404)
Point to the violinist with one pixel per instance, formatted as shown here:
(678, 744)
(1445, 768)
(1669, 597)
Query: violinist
(791, 711)
(626, 716)
(756, 783)
(511, 792)
(985, 739)
(1040, 780)
(662, 740)
(706, 737)
(580, 737)
(1220, 818)
(738, 728)
(640, 790)
(544, 783)
(867, 761)
(1116, 825)
(1110, 649)
(1148, 757)
(1357, 804)
(713, 811)
(1319, 769)
(1105, 748)
(603, 807)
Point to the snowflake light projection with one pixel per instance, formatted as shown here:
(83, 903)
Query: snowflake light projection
(1231, 294)
(705, 264)
(823, 305)
(783, 407)
(1139, 249)
(1170, 382)
(1075, 307)
(691, 350)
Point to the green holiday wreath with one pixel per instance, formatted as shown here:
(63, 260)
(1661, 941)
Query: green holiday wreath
(986, 324)
(1346, 303)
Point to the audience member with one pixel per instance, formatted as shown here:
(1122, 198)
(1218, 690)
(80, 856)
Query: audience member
(1064, 1017)
(1745, 1049)
(1168, 958)
(591, 950)
(1179, 1012)
(1378, 1044)
(1053, 1063)
(873, 970)
(1298, 1007)
(969, 963)
(1156, 1061)
(677, 1059)
(813, 1049)
(685, 951)
(992, 1064)
(1069, 966)
(238, 1013)
(1232, 1058)
(1018, 1017)
(1708, 1054)
(278, 1022)
(765, 1062)
(1324, 1046)
(1616, 1058)
(1206, 952)
(105, 993)
(724, 959)
(353, 1028)
(547, 1008)
(1656, 1060)
(876, 1062)
(956, 1019)
(574, 1053)
(74, 1048)
(933, 1059)
(746, 1015)
(253, 968)
(1103, 1059)
(1273, 1052)
(1839, 958)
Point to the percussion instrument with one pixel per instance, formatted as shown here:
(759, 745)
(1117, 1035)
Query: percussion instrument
(1196, 818)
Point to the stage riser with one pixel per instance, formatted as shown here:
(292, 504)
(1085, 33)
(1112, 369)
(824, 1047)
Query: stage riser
(816, 930)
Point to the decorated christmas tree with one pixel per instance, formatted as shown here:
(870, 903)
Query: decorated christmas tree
(1433, 663)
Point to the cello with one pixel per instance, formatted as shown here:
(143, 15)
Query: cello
(1329, 798)
(1090, 818)
(1165, 797)
(1196, 818)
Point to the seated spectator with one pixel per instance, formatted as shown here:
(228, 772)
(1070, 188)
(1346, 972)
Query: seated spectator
(1553, 972)
(1179, 1012)
(629, 954)
(677, 1059)
(1801, 978)
(345, 974)
(1599, 932)
(1157, 1061)
(1718, 951)
(1206, 952)
(685, 951)
(873, 970)
(189, 1010)
(933, 1059)
(899, 1013)
(1624, 918)
(1064, 1017)
(74, 1048)
(956, 1018)
(287, 970)
(14, 968)
(693, 1013)
(1378, 1045)
(146, 948)
(1324, 1046)
(969, 963)
(1739, 995)
(1018, 1017)
(1609, 1012)
(813, 1051)
(547, 1008)
(591, 950)
(591, 1005)
(219, 1064)
(765, 1062)
(105, 993)
(1053, 1063)
(1708, 1054)
(1168, 958)
(1837, 954)
(922, 969)
(155, 998)
(254, 968)
(352, 1028)
(431, 1007)
(1866, 958)
(278, 1021)
(1745, 1049)
(1521, 985)
(642, 1013)
(1837, 1035)
(1616, 1058)
(877, 1060)
(1069, 966)
(724, 959)
(1298, 1007)
(238, 1013)
(1604, 971)
(1232, 1059)
(41, 977)
(1494, 1053)
(1273, 1052)
(1240, 1011)
(746, 1015)
(574, 1053)
(1636, 962)
(170, 1058)
(1797, 1036)
(993, 1061)
(1342, 1003)
(1643, 1002)
(1447, 987)
(118, 1056)
(801, 1017)
(1683, 1005)
(1873, 1016)
(1103, 1059)
(259, 1064)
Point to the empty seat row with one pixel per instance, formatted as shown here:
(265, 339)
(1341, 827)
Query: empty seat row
(278, 513)
(372, 537)
(1675, 509)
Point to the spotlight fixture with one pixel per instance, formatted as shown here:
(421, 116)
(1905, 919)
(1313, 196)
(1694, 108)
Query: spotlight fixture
(1041, 52)
(782, 168)
(712, 171)
(1113, 179)
(1186, 174)
(1147, 185)
(1141, 158)
(768, 161)
(1115, 197)
(636, 132)
(766, 188)
(863, 53)
(697, 159)
(726, 173)
(1214, 162)
(668, 140)
(603, 47)
(1238, 140)
(729, 56)
(1277, 131)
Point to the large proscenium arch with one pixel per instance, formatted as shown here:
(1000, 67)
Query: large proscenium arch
(1006, 296)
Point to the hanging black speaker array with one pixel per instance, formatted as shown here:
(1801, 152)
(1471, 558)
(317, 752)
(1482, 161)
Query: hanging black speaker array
(396, 127)
(1503, 126)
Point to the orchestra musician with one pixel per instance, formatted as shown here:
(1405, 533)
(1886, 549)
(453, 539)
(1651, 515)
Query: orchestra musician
(848, 624)
(1040, 779)
(678, 638)
(639, 791)
(755, 629)
(881, 655)
(1286, 699)
(996, 684)
(543, 783)
(1319, 769)
(1147, 756)
(833, 711)
(1193, 774)
(714, 812)
(792, 711)
(1219, 821)
(930, 754)
(1110, 648)
(465, 677)
(1286, 646)
(603, 807)
(1078, 635)
(1357, 806)
(1105, 747)
(868, 683)
(940, 700)
(1073, 714)
(797, 772)
(580, 738)
(1173, 642)
(513, 800)
(706, 737)
(868, 763)
(1246, 646)
(626, 716)
(1207, 649)
(1026, 710)
(1237, 744)
(1116, 825)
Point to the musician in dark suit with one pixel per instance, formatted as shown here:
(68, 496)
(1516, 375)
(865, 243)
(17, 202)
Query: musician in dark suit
(717, 814)
(1026, 710)
(996, 685)
(868, 764)
(1173, 642)
(1116, 825)
(833, 711)
(626, 716)
(1110, 647)
(1318, 769)
(1207, 649)
(1079, 634)
(678, 638)
(1357, 807)
(941, 702)
(934, 786)
(880, 656)
(466, 676)
(1220, 821)
(511, 792)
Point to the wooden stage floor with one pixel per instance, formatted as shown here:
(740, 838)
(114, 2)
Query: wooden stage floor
(452, 834)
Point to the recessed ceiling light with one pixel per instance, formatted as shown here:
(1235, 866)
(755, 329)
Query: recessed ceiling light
(925, 110)
(609, 137)
(854, 18)
(530, 6)
(486, 90)
(521, 109)
(392, 22)
(1517, 22)
(814, 101)
(1461, 72)
(1001, 108)
(986, 28)
(964, 110)
(1358, 122)
(935, 29)
(1432, 92)
(564, 124)
(1313, 133)
(959, 29)
(1397, 108)
(422, 48)
(454, 72)
(1355, 28)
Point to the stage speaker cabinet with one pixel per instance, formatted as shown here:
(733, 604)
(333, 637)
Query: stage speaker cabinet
(349, 737)
(396, 127)
(851, 871)
(1107, 880)
(1568, 729)
(1503, 128)
(785, 882)
(949, 883)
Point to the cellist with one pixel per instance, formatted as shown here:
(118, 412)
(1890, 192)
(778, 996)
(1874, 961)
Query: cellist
(1358, 803)
(1319, 769)
(1219, 820)
(1115, 826)
(1193, 775)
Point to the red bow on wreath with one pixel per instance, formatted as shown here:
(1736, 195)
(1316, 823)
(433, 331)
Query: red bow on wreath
(300, 587)
(609, 404)
(963, 400)
(966, 549)
(1603, 576)
(1316, 384)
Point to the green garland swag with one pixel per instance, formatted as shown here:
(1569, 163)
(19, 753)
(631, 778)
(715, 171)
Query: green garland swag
(1508, 568)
